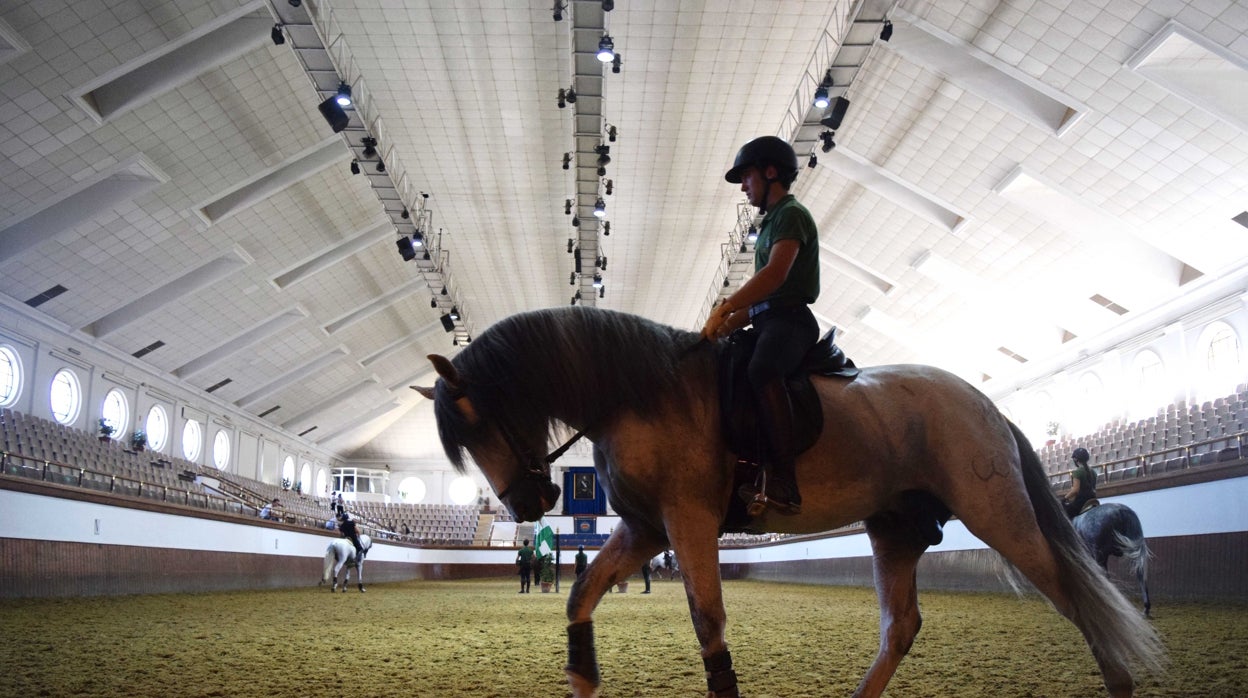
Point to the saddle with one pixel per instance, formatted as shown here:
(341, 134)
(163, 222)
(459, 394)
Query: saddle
(739, 420)
(1091, 503)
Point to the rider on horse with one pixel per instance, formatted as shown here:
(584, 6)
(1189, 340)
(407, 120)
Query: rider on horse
(776, 300)
(1082, 484)
(346, 525)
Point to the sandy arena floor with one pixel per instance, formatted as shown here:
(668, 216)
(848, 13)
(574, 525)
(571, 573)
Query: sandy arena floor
(480, 638)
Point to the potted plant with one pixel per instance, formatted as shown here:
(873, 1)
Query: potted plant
(547, 575)
(138, 440)
(1051, 429)
(106, 431)
(285, 483)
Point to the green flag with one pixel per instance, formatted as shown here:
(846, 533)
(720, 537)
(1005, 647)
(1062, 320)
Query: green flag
(545, 542)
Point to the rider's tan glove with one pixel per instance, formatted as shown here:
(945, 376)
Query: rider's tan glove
(717, 318)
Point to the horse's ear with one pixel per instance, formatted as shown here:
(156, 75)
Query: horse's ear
(426, 392)
(446, 369)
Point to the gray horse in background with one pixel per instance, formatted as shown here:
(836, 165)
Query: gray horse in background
(1114, 530)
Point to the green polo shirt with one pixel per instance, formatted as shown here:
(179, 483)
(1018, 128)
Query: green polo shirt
(789, 220)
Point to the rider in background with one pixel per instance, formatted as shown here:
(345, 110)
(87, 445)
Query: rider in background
(346, 525)
(1082, 484)
(776, 300)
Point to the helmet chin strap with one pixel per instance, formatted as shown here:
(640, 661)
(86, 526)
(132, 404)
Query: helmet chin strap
(762, 208)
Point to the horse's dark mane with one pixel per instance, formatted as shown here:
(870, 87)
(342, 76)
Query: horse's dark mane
(582, 364)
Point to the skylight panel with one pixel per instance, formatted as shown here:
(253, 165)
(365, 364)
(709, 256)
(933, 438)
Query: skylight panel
(175, 63)
(982, 73)
(1196, 69)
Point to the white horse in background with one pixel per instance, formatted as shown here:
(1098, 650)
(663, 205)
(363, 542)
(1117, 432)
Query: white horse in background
(340, 555)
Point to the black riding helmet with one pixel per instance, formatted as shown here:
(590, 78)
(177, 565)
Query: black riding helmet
(763, 151)
(1080, 455)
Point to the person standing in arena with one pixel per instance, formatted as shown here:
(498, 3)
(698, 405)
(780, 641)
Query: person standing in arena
(582, 561)
(524, 561)
(776, 300)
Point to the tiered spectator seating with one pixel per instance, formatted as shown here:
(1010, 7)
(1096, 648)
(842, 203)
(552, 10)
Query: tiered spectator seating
(439, 524)
(74, 457)
(1180, 436)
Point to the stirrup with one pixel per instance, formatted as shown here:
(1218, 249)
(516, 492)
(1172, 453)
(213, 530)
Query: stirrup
(757, 500)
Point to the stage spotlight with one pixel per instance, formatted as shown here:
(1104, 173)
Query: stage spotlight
(752, 234)
(571, 95)
(887, 32)
(567, 207)
(370, 146)
(572, 278)
(448, 324)
(597, 280)
(608, 5)
(602, 291)
(405, 215)
(600, 208)
(571, 244)
(610, 186)
(616, 63)
(381, 166)
(567, 161)
(278, 37)
(454, 312)
(603, 157)
(606, 228)
(828, 143)
(576, 221)
(418, 239)
(813, 161)
(821, 93)
(344, 95)
(604, 263)
(611, 133)
(433, 302)
(563, 98)
(557, 11)
(355, 167)
(606, 49)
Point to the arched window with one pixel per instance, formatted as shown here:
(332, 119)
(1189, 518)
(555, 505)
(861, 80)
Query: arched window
(192, 437)
(322, 483)
(221, 450)
(115, 412)
(1221, 364)
(10, 376)
(65, 396)
(1149, 387)
(412, 490)
(157, 428)
(463, 490)
(1088, 410)
(288, 470)
(305, 477)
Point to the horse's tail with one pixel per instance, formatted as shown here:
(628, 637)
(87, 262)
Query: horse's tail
(329, 562)
(1114, 628)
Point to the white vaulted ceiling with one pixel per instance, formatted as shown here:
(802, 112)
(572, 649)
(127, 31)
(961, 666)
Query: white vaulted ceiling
(1007, 173)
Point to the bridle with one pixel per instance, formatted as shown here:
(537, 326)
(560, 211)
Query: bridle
(536, 471)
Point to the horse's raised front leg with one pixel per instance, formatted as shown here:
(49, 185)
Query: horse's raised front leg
(359, 575)
(694, 537)
(895, 559)
(622, 554)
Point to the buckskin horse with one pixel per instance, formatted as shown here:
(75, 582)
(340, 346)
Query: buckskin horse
(647, 396)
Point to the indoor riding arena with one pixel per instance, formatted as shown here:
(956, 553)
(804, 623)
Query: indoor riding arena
(329, 327)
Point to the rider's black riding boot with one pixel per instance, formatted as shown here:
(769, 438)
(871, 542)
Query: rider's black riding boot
(776, 417)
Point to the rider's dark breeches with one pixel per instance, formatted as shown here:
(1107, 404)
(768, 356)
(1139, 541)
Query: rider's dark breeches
(784, 337)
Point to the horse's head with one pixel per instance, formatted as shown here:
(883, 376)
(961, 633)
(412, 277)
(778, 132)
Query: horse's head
(506, 456)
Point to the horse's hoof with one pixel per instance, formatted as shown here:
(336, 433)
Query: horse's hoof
(362, 589)
(581, 686)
